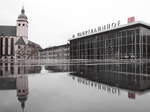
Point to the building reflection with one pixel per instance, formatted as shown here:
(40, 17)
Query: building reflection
(99, 86)
(19, 84)
(109, 77)
(15, 69)
(15, 77)
(58, 68)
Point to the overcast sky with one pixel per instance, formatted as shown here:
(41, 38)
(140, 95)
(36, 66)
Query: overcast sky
(53, 22)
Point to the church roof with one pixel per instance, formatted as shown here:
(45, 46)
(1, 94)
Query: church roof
(30, 43)
(20, 41)
(7, 30)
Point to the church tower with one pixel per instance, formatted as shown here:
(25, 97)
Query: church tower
(22, 26)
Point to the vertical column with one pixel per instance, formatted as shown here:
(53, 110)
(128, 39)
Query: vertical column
(146, 45)
(3, 46)
(12, 47)
(118, 39)
(6, 46)
(79, 50)
(132, 38)
(95, 47)
(117, 48)
(121, 45)
(140, 46)
(105, 49)
(9, 70)
(9, 46)
(135, 45)
(3, 68)
(126, 44)
(85, 48)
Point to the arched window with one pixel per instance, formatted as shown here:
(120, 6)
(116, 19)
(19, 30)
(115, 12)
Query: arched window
(12, 46)
(1, 46)
(6, 46)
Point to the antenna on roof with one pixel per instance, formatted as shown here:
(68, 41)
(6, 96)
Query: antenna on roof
(22, 4)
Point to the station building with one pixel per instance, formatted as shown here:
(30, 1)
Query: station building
(130, 41)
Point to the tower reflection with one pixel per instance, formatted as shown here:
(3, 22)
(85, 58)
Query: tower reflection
(22, 90)
(15, 77)
(18, 83)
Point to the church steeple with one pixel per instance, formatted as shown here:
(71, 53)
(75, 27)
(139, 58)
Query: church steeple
(22, 10)
(22, 15)
(22, 25)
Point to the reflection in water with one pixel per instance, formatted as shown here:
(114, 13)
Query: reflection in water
(108, 78)
(133, 77)
(58, 68)
(12, 69)
(115, 75)
(22, 90)
(18, 83)
(97, 85)
(12, 78)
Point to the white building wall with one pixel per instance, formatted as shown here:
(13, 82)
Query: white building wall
(22, 30)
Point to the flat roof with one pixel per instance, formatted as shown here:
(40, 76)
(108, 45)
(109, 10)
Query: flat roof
(54, 47)
(119, 27)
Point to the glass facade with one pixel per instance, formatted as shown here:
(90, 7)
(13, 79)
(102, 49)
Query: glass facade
(130, 42)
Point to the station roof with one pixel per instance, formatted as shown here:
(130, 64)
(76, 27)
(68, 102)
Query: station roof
(55, 47)
(116, 28)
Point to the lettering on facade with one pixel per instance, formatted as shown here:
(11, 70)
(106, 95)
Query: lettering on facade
(98, 29)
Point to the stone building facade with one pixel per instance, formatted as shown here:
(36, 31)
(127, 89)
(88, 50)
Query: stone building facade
(55, 52)
(14, 43)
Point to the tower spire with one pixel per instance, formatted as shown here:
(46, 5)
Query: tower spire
(23, 10)
(22, 15)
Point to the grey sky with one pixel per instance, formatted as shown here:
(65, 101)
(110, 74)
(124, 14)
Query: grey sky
(53, 22)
